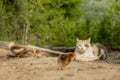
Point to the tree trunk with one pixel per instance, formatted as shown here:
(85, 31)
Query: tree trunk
(25, 34)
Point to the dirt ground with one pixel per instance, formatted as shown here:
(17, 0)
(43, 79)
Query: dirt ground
(46, 68)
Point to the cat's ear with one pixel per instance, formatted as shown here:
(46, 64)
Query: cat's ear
(89, 40)
(77, 39)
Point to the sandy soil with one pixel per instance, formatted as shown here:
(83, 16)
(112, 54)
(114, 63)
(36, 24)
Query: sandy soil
(46, 68)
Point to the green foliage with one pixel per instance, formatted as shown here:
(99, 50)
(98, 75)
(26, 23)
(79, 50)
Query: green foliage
(104, 28)
(55, 20)
(59, 22)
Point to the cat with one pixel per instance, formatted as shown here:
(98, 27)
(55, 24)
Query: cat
(85, 51)
(65, 59)
(20, 51)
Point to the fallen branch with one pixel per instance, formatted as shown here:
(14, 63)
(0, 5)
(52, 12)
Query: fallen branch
(116, 49)
(46, 50)
(64, 49)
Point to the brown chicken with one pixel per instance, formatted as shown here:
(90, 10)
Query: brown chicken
(65, 59)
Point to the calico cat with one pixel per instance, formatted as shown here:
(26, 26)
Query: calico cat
(65, 59)
(85, 51)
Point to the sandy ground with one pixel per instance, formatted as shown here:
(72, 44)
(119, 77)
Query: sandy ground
(46, 68)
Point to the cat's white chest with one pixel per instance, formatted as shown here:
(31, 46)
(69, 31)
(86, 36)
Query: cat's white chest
(87, 56)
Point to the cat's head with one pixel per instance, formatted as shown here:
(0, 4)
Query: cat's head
(83, 45)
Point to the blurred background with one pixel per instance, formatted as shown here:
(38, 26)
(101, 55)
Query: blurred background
(48, 23)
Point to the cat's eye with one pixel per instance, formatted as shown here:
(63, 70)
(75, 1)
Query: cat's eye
(86, 46)
(78, 44)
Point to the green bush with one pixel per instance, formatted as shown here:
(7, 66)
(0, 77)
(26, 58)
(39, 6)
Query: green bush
(59, 22)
